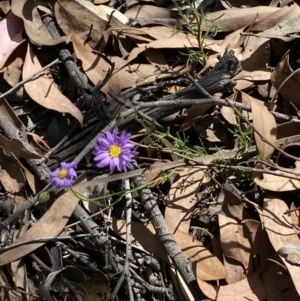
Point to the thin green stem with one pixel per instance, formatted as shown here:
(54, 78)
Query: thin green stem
(120, 194)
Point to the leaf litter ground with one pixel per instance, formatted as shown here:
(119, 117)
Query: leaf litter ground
(209, 92)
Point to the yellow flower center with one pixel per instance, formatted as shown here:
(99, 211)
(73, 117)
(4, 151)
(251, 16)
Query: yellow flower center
(62, 173)
(115, 151)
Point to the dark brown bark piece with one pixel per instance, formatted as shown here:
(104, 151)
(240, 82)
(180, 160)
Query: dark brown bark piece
(219, 79)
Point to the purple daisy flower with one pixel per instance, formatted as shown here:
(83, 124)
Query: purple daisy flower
(64, 176)
(114, 151)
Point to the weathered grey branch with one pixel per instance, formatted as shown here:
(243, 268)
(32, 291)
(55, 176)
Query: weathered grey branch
(166, 238)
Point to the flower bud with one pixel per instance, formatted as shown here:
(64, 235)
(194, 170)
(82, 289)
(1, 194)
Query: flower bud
(44, 197)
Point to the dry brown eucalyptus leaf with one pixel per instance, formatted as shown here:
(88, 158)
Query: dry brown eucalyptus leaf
(295, 217)
(277, 16)
(285, 30)
(43, 90)
(250, 288)
(163, 32)
(234, 245)
(17, 147)
(291, 253)
(256, 54)
(193, 115)
(34, 26)
(232, 4)
(95, 67)
(279, 286)
(13, 72)
(252, 76)
(12, 178)
(265, 124)
(287, 129)
(277, 182)
(11, 29)
(280, 231)
(182, 198)
(234, 19)
(205, 265)
(156, 57)
(213, 129)
(76, 17)
(141, 74)
(291, 87)
(49, 225)
(5, 7)
(31, 181)
(149, 11)
(233, 206)
(174, 42)
(10, 114)
(229, 115)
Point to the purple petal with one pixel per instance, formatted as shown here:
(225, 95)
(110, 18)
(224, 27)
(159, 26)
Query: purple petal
(66, 183)
(124, 138)
(127, 153)
(54, 173)
(57, 183)
(129, 145)
(118, 163)
(111, 137)
(102, 141)
(72, 165)
(101, 156)
(63, 165)
(134, 153)
(112, 166)
(115, 133)
(105, 162)
(122, 164)
(72, 173)
(129, 165)
(98, 150)
(68, 165)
